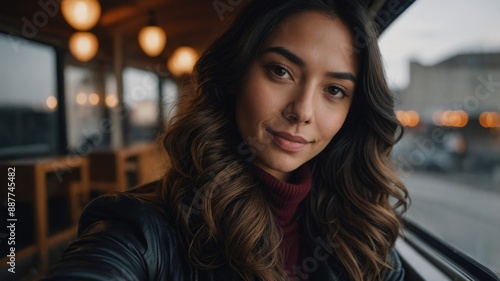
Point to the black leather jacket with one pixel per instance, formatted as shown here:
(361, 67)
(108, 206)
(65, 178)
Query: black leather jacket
(125, 237)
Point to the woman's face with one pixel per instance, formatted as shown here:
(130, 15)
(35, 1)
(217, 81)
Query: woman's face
(297, 92)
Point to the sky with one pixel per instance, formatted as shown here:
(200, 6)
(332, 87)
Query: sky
(430, 31)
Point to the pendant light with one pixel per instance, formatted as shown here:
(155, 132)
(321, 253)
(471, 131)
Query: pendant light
(81, 14)
(182, 61)
(152, 38)
(83, 45)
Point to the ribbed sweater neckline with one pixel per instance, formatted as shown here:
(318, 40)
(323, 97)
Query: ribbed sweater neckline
(285, 199)
(286, 196)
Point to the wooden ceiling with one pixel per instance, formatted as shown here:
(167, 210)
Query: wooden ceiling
(187, 22)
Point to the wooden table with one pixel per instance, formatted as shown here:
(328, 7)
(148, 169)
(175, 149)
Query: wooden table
(31, 186)
(109, 167)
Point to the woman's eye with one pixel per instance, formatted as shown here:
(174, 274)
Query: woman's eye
(336, 92)
(279, 71)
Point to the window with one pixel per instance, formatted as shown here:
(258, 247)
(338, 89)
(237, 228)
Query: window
(141, 95)
(113, 123)
(170, 95)
(28, 98)
(443, 62)
(84, 110)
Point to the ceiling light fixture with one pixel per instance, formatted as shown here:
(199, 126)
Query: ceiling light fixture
(182, 61)
(83, 45)
(81, 14)
(152, 38)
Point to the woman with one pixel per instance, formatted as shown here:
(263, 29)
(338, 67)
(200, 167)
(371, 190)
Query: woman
(280, 163)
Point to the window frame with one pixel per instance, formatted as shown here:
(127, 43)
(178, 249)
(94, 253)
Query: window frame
(442, 256)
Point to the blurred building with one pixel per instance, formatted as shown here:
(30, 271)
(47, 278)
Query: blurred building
(469, 82)
(452, 114)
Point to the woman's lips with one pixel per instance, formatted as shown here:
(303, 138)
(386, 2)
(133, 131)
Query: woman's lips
(288, 142)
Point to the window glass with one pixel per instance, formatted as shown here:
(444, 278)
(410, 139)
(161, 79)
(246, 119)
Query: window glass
(141, 96)
(114, 112)
(170, 95)
(443, 62)
(28, 98)
(83, 110)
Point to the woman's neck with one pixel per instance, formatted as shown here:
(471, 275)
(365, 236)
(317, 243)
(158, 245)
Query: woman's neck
(286, 197)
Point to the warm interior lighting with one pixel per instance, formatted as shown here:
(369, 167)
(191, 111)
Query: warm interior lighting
(490, 119)
(94, 99)
(51, 102)
(81, 14)
(182, 61)
(152, 40)
(83, 45)
(111, 101)
(81, 98)
(408, 118)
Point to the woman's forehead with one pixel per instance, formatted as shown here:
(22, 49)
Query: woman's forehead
(317, 38)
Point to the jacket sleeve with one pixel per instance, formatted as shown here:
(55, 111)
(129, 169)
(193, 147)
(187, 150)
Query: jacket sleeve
(397, 273)
(120, 238)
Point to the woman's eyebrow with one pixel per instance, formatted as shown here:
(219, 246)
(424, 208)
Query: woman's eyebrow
(287, 54)
(342, 75)
(300, 62)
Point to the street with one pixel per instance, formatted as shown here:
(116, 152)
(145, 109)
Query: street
(460, 214)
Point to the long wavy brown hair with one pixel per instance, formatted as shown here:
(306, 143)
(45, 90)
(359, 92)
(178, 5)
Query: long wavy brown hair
(223, 214)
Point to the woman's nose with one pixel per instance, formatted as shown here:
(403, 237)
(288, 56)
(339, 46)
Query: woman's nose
(300, 109)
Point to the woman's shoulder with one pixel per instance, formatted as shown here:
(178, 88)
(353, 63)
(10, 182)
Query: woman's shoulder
(141, 210)
(396, 273)
(140, 207)
(125, 236)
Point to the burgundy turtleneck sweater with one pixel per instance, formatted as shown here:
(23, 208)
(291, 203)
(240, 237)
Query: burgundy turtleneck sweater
(286, 198)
